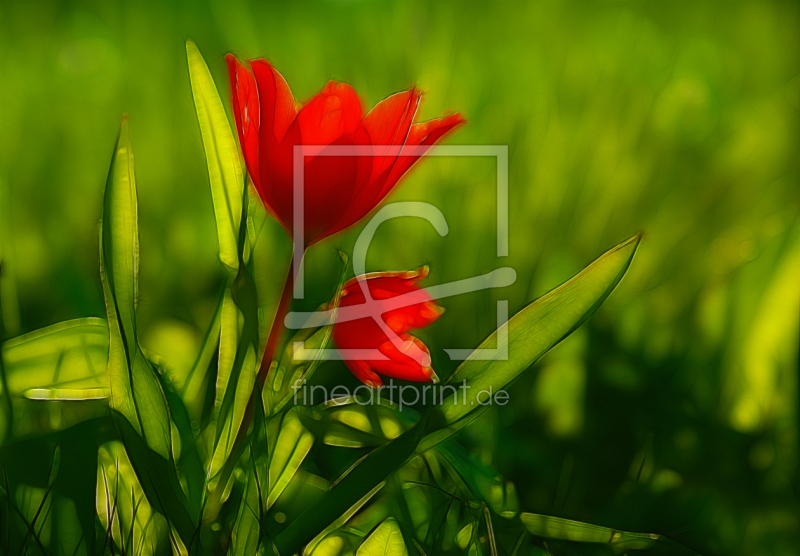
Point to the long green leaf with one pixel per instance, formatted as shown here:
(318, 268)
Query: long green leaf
(293, 444)
(247, 529)
(530, 334)
(224, 166)
(158, 481)
(135, 390)
(575, 531)
(237, 362)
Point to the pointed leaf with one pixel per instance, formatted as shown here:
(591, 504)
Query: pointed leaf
(222, 156)
(247, 529)
(575, 531)
(386, 540)
(294, 443)
(135, 390)
(530, 334)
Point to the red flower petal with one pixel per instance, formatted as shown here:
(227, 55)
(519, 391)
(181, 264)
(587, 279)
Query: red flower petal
(389, 122)
(278, 107)
(411, 361)
(362, 372)
(417, 310)
(331, 113)
(331, 117)
(423, 134)
(246, 113)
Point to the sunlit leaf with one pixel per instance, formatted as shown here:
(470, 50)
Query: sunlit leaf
(386, 540)
(67, 353)
(222, 157)
(247, 530)
(66, 394)
(135, 390)
(236, 372)
(350, 423)
(334, 544)
(238, 395)
(530, 334)
(575, 531)
(123, 507)
(291, 448)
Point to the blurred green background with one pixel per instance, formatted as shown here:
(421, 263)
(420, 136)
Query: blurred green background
(674, 410)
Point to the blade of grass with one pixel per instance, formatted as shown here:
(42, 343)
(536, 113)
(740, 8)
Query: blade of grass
(222, 156)
(135, 390)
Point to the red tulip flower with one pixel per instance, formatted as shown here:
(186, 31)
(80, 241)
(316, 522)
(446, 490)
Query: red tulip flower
(338, 190)
(378, 329)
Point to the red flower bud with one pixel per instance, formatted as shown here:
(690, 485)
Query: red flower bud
(379, 327)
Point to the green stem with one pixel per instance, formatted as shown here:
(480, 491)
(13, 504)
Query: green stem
(276, 331)
(273, 340)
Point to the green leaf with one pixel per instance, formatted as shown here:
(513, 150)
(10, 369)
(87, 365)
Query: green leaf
(291, 372)
(350, 423)
(481, 479)
(293, 444)
(237, 395)
(531, 333)
(237, 365)
(123, 507)
(68, 354)
(135, 390)
(575, 531)
(386, 540)
(198, 380)
(158, 480)
(247, 529)
(335, 544)
(224, 166)
(67, 394)
(352, 490)
(189, 462)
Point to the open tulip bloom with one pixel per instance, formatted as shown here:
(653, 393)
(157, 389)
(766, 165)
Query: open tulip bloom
(338, 190)
(376, 313)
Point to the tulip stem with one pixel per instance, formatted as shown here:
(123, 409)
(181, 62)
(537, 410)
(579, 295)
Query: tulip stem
(275, 334)
(276, 331)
